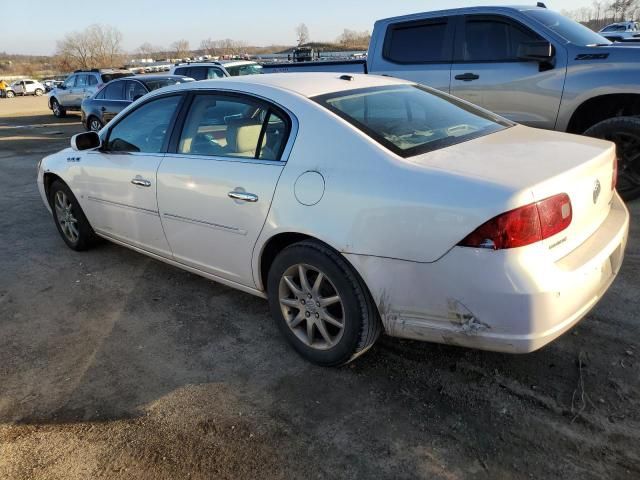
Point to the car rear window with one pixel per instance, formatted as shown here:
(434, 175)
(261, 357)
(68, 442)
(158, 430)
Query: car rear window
(249, 69)
(107, 77)
(164, 82)
(411, 119)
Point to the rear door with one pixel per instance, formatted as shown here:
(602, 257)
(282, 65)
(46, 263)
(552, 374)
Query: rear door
(215, 189)
(113, 101)
(420, 51)
(487, 71)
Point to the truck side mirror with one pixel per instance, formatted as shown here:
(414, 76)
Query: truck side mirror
(540, 51)
(85, 141)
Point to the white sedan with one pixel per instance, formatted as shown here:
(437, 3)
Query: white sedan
(356, 204)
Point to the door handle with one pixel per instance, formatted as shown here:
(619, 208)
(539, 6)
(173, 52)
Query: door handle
(244, 196)
(102, 109)
(467, 77)
(141, 182)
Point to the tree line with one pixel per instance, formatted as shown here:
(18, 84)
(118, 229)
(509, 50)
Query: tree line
(602, 13)
(100, 46)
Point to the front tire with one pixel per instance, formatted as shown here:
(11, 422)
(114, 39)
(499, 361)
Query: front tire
(625, 133)
(73, 226)
(10, 94)
(94, 124)
(321, 305)
(58, 110)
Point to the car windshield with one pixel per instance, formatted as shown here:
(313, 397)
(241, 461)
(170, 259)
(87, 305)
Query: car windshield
(249, 69)
(107, 77)
(411, 119)
(164, 82)
(568, 29)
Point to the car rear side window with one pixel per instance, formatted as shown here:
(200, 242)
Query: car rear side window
(92, 80)
(411, 119)
(114, 91)
(493, 39)
(145, 128)
(417, 42)
(232, 126)
(133, 90)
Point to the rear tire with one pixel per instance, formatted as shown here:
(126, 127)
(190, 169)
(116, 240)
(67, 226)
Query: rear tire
(330, 321)
(625, 133)
(72, 224)
(38, 92)
(58, 110)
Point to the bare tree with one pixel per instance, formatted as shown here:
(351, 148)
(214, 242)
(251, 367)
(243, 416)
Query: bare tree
(208, 46)
(352, 39)
(181, 47)
(302, 34)
(96, 46)
(147, 50)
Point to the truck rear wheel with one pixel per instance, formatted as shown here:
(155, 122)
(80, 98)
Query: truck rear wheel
(625, 133)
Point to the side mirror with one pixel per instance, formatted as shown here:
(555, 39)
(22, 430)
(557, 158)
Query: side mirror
(541, 51)
(85, 141)
(61, 86)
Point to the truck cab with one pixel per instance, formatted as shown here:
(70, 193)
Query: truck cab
(529, 64)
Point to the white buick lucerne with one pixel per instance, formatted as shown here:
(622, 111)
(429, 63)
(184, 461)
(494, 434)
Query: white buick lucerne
(356, 204)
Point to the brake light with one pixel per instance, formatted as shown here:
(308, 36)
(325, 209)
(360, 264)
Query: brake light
(524, 225)
(614, 178)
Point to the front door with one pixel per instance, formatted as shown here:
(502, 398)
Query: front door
(488, 72)
(215, 191)
(118, 182)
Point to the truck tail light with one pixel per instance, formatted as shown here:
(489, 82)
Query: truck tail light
(524, 225)
(614, 178)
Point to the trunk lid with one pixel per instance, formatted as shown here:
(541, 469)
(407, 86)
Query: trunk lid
(539, 164)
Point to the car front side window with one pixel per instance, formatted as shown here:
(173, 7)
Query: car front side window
(144, 129)
(70, 82)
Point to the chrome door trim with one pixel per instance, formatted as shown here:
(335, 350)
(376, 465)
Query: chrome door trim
(123, 205)
(215, 226)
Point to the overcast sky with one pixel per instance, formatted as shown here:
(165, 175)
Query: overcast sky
(33, 26)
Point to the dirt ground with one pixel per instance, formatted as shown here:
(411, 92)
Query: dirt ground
(113, 365)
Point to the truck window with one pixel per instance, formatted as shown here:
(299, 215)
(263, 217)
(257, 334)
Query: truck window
(493, 40)
(417, 42)
(571, 31)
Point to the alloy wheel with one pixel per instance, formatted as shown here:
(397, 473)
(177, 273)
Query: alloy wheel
(64, 215)
(628, 149)
(95, 125)
(311, 306)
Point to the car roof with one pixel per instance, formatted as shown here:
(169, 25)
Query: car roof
(144, 78)
(308, 84)
(462, 11)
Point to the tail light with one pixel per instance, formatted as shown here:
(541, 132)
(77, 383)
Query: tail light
(614, 178)
(524, 225)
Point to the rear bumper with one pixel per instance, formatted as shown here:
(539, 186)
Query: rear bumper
(510, 301)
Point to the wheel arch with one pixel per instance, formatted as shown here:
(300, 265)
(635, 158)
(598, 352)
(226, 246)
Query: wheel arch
(47, 180)
(603, 107)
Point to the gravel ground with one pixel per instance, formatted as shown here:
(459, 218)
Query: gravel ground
(113, 365)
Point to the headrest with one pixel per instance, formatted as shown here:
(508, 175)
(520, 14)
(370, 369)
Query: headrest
(243, 138)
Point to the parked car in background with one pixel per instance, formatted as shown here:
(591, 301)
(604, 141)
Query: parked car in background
(105, 104)
(26, 86)
(217, 69)
(621, 31)
(51, 84)
(529, 64)
(287, 186)
(79, 85)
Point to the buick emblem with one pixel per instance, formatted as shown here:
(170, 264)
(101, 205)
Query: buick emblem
(596, 191)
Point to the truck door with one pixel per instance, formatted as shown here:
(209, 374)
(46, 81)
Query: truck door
(418, 50)
(488, 72)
